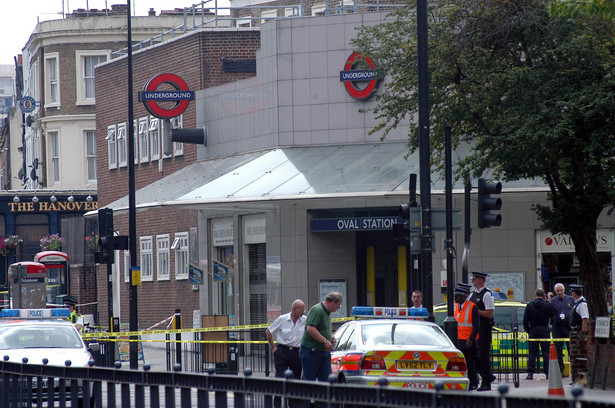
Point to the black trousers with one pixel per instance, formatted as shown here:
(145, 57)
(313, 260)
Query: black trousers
(483, 361)
(284, 359)
(470, 355)
(561, 332)
(538, 333)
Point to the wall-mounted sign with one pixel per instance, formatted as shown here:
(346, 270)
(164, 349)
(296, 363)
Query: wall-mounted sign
(151, 97)
(220, 271)
(27, 104)
(562, 243)
(360, 76)
(50, 206)
(353, 224)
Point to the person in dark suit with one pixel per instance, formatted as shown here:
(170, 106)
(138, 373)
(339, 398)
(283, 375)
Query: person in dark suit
(538, 314)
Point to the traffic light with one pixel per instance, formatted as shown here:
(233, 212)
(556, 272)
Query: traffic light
(402, 229)
(486, 203)
(106, 245)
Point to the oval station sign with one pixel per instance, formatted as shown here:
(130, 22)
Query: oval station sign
(360, 83)
(151, 97)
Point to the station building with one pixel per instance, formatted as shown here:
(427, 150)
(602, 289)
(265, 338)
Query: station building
(291, 196)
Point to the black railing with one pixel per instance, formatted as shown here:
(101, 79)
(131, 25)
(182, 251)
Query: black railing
(27, 385)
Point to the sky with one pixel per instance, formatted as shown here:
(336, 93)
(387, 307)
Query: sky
(18, 18)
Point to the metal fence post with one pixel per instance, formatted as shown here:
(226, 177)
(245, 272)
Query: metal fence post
(382, 382)
(177, 324)
(502, 390)
(438, 386)
(577, 392)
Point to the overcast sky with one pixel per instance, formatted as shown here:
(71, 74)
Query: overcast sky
(18, 18)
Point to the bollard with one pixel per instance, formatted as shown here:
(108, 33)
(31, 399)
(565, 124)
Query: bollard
(288, 374)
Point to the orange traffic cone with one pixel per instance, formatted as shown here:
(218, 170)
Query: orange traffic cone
(555, 375)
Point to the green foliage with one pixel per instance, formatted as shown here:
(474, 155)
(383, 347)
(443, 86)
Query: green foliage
(600, 8)
(531, 92)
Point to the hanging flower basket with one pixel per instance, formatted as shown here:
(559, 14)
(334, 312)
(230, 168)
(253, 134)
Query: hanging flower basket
(91, 241)
(52, 242)
(9, 242)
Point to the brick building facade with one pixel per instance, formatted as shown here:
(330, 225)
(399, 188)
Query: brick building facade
(196, 58)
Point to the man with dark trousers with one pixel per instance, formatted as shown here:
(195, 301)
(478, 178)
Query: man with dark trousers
(538, 314)
(468, 324)
(562, 304)
(483, 299)
(288, 330)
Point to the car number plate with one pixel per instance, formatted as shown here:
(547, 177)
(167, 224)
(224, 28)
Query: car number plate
(415, 365)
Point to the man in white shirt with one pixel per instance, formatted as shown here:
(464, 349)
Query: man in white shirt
(483, 299)
(417, 299)
(287, 330)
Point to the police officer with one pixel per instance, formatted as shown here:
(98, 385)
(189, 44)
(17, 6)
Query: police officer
(579, 317)
(538, 314)
(483, 299)
(71, 303)
(468, 324)
(562, 304)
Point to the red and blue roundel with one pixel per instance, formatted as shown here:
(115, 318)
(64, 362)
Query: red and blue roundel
(360, 83)
(151, 97)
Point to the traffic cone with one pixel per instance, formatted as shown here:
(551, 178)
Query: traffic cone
(555, 375)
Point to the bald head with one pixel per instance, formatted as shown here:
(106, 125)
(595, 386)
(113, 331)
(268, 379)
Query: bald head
(297, 309)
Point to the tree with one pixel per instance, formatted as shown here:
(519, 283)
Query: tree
(532, 94)
(603, 8)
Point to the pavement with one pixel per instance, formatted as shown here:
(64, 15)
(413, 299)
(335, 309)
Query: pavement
(154, 354)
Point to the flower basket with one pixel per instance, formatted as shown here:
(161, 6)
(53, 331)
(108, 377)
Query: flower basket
(91, 241)
(9, 242)
(52, 242)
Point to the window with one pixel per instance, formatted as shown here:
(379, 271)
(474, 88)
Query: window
(180, 246)
(178, 123)
(54, 152)
(318, 9)
(52, 80)
(154, 134)
(244, 22)
(127, 266)
(147, 266)
(112, 146)
(291, 11)
(162, 257)
(135, 141)
(143, 140)
(268, 15)
(90, 154)
(86, 62)
(122, 152)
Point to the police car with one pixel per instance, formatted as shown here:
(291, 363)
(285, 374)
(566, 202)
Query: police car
(397, 344)
(38, 334)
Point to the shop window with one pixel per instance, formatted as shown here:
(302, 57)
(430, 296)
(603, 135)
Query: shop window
(31, 228)
(147, 266)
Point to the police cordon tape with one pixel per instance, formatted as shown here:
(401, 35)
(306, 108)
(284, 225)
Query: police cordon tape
(197, 330)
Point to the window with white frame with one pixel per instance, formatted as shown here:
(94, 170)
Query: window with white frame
(112, 146)
(86, 62)
(165, 136)
(163, 256)
(318, 9)
(154, 134)
(127, 266)
(244, 22)
(180, 246)
(52, 80)
(147, 258)
(54, 153)
(178, 123)
(90, 155)
(122, 150)
(268, 15)
(143, 140)
(291, 11)
(135, 140)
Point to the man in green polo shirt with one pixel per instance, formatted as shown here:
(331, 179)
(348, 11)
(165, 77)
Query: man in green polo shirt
(318, 339)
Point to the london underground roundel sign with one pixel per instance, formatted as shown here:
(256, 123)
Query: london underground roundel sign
(151, 97)
(360, 83)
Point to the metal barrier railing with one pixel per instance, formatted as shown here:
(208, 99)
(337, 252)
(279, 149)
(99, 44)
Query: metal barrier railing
(29, 385)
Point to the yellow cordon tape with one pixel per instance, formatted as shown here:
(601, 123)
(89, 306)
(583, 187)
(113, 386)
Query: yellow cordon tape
(199, 330)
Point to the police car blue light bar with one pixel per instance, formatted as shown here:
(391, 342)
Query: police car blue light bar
(58, 313)
(390, 312)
